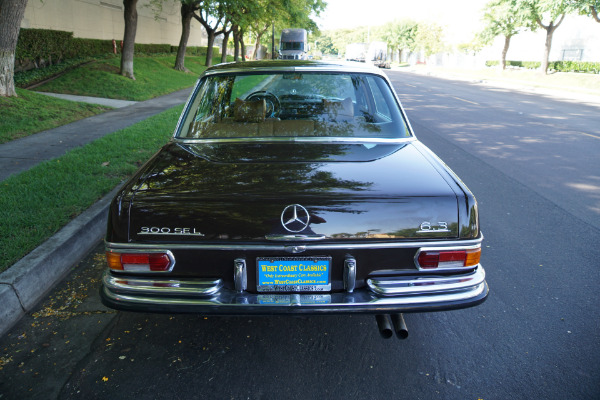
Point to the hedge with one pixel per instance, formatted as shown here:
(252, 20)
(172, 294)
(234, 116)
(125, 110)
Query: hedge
(41, 47)
(576, 66)
(559, 66)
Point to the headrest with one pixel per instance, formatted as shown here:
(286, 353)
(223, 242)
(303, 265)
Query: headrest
(249, 111)
(337, 110)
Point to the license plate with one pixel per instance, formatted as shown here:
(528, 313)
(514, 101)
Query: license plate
(293, 274)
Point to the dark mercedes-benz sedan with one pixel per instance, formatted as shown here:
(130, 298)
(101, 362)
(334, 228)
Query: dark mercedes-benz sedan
(294, 187)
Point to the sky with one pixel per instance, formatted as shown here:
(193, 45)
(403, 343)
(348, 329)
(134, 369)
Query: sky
(461, 18)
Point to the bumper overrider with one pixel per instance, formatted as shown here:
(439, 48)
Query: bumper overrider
(381, 295)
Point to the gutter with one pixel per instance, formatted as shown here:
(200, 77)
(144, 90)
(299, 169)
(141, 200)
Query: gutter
(30, 279)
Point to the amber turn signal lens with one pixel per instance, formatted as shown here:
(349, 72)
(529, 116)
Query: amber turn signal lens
(473, 257)
(114, 261)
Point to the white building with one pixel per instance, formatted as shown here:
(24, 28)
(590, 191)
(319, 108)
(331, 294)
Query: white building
(103, 19)
(576, 39)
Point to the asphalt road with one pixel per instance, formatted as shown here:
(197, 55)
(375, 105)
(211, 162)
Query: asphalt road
(533, 164)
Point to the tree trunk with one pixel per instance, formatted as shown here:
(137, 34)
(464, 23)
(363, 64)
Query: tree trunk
(187, 12)
(11, 15)
(504, 51)
(547, 48)
(224, 46)
(209, 49)
(550, 28)
(130, 15)
(211, 33)
(236, 43)
(594, 13)
(256, 45)
(242, 45)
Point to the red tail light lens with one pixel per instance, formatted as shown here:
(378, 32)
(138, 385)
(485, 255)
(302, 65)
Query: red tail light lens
(139, 262)
(432, 259)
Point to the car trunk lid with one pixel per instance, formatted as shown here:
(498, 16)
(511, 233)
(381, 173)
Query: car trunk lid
(263, 191)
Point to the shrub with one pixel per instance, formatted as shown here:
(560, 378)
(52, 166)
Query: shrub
(576, 66)
(140, 48)
(560, 66)
(198, 50)
(42, 46)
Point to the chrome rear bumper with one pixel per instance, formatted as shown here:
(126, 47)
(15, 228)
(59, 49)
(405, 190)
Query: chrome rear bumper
(383, 295)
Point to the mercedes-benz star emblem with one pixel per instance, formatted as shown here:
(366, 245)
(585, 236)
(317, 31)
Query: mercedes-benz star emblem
(295, 218)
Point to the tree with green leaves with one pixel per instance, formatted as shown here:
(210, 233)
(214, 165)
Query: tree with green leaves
(343, 37)
(590, 8)
(283, 14)
(503, 18)
(11, 15)
(187, 13)
(240, 14)
(187, 10)
(325, 45)
(211, 15)
(430, 38)
(548, 15)
(400, 36)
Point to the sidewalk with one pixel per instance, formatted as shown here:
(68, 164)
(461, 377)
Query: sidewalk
(563, 93)
(92, 100)
(22, 154)
(25, 283)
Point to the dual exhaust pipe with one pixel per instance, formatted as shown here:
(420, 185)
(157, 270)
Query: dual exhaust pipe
(387, 328)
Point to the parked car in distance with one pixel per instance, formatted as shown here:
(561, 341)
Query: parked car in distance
(293, 187)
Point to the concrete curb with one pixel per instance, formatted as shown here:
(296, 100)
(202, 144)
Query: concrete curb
(26, 282)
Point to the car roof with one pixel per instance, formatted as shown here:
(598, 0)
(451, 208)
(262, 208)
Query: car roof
(292, 66)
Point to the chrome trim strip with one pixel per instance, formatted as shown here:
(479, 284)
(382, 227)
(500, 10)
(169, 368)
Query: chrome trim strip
(289, 238)
(308, 246)
(160, 286)
(426, 285)
(279, 69)
(300, 139)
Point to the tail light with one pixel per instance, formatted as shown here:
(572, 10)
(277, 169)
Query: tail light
(448, 259)
(161, 261)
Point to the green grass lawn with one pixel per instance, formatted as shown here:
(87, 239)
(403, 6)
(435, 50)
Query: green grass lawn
(37, 203)
(154, 76)
(32, 112)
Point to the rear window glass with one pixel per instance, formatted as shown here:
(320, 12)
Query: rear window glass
(293, 105)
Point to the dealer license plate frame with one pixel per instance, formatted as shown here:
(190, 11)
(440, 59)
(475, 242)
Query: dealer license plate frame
(266, 277)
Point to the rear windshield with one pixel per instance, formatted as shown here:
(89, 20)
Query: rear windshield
(293, 105)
